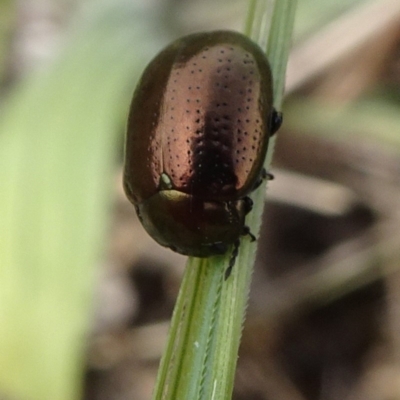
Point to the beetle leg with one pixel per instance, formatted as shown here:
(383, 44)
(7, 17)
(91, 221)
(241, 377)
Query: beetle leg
(275, 122)
(267, 175)
(248, 204)
(235, 251)
(232, 260)
(263, 175)
(246, 231)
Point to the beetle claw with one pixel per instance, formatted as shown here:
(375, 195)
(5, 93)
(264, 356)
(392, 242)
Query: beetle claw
(246, 231)
(269, 176)
(263, 175)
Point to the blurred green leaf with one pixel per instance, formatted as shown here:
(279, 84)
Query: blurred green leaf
(58, 138)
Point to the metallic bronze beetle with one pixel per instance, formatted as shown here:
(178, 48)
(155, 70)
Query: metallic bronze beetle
(197, 136)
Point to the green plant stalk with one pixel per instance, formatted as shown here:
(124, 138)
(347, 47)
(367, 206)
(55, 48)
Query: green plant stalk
(202, 349)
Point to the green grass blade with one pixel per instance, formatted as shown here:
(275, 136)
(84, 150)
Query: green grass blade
(201, 354)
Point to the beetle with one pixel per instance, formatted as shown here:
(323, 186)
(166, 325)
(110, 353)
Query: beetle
(197, 136)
